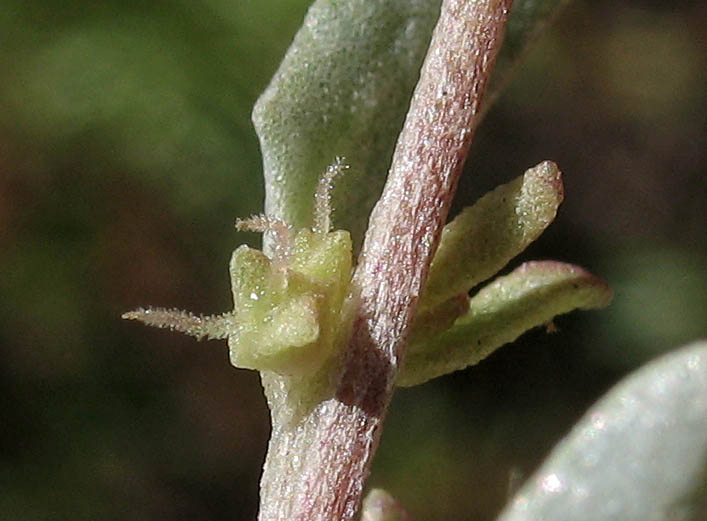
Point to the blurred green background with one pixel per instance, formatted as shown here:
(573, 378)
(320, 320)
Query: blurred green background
(126, 152)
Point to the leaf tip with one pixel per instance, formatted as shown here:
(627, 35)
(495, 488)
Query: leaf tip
(549, 173)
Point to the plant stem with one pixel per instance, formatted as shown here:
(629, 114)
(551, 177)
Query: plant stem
(315, 471)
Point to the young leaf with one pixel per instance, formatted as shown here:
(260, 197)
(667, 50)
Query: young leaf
(484, 237)
(499, 313)
(431, 322)
(639, 454)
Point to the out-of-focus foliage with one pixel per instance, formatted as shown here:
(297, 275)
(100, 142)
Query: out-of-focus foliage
(530, 18)
(126, 151)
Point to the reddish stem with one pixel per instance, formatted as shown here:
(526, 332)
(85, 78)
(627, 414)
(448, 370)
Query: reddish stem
(316, 471)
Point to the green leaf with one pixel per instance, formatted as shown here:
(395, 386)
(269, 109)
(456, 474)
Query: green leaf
(343, 90)
(381, 506)
(639, 454)
(499, 313)
(484, 237)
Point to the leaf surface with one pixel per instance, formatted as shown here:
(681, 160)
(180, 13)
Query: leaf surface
(639, 454)
(484, 237)
(342, 90)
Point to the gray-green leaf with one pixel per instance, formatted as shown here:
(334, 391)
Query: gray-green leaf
(343, 90)
(499, 313)
(484, 237)
(640, 454)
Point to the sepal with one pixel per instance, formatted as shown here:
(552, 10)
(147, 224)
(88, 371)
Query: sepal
(287, 315)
